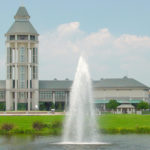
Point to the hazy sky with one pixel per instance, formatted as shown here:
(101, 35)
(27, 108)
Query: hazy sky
(114, 34)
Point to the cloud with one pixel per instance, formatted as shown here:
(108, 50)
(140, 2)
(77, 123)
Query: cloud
(2, 68)
(108, 55)
(69, 28)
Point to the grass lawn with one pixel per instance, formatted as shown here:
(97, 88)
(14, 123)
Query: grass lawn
(124, 123)
(25, 122)
(107, 124)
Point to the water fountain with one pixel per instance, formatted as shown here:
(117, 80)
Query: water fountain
(80, 122)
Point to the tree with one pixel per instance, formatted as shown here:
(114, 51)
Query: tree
(143, 105)
(2, 106)
(112, 104)
(52, 106)
(59, 108)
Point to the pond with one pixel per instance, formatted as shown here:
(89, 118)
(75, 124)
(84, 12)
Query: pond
(118, 142)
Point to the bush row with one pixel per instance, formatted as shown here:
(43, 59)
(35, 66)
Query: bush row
(37, 128)
(142, 130)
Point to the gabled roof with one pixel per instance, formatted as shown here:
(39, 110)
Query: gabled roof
(22, 24)
(2, 84)
(119, 83)
(104, 83)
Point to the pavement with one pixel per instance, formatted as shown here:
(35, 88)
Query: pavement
(30, 113)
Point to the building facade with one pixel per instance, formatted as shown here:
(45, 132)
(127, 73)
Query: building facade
(22, 63)
(22, 88)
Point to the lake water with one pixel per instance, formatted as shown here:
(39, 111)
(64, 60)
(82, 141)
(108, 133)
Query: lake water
(118, 142)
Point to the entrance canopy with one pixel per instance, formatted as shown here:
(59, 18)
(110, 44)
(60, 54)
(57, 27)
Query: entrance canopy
(119, 101)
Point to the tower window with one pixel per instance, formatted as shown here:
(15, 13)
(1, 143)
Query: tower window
(22, 37)
(34, 55)
(32, 37)
(9, 55)
(22, 77)
(22, 54)
(9, 72)
(13, 83)
(12, 37)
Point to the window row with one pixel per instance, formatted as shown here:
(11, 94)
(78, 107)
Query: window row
(22, 55)
(22, 95)
(23, 37)
(59, 95)
(46, 95)
(23, 73)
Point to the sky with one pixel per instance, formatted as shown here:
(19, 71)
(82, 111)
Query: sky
(113, 34)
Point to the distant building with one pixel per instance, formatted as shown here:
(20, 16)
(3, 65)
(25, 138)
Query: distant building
(23, 90)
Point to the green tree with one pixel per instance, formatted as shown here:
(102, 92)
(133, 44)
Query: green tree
(2, 106)
(52, 106)
(143, 105)
(112, 104)
(59, 107)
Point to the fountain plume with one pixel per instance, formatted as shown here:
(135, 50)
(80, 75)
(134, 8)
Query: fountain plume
(80, 122)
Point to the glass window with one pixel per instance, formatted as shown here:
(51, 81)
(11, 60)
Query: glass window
(22, 54)
(34, 55)
(46, 95)
(22, 37)
(32, 37)
(12, 37)
(60, 95)
(9, 72)
(9, 55)
(22, 95)
(22, 77)
(2, 95)
(34, 72)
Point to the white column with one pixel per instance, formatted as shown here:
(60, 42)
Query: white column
(54, 97)
(28, 74)
(66, 100)
(104, 107)
(16, 77)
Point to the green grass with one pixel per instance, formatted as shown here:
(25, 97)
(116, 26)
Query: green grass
(110, 123)
(124, 123)
(23, 124)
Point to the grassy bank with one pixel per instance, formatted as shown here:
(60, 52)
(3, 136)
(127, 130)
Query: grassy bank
(52, 125)
(124, 123)
(24, 124)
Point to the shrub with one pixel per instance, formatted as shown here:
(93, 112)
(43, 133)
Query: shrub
(7, 126)
(37, 125)
(57, 124)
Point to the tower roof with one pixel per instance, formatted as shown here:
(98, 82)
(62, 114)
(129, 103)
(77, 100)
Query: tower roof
(22, 13)
(22, 24)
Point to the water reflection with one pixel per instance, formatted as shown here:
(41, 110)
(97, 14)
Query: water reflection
(28, 142)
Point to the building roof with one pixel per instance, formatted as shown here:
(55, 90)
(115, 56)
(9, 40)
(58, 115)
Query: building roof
(22, 12)
(125, 106)
(104, 83)
(22, 27)
(22, 24)
(124, 82)
(2, 84)
(55, 84)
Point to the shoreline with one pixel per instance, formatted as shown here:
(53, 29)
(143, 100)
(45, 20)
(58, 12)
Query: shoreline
(52, 124)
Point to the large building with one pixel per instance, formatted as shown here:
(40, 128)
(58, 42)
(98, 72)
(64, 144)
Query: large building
(23, 90)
